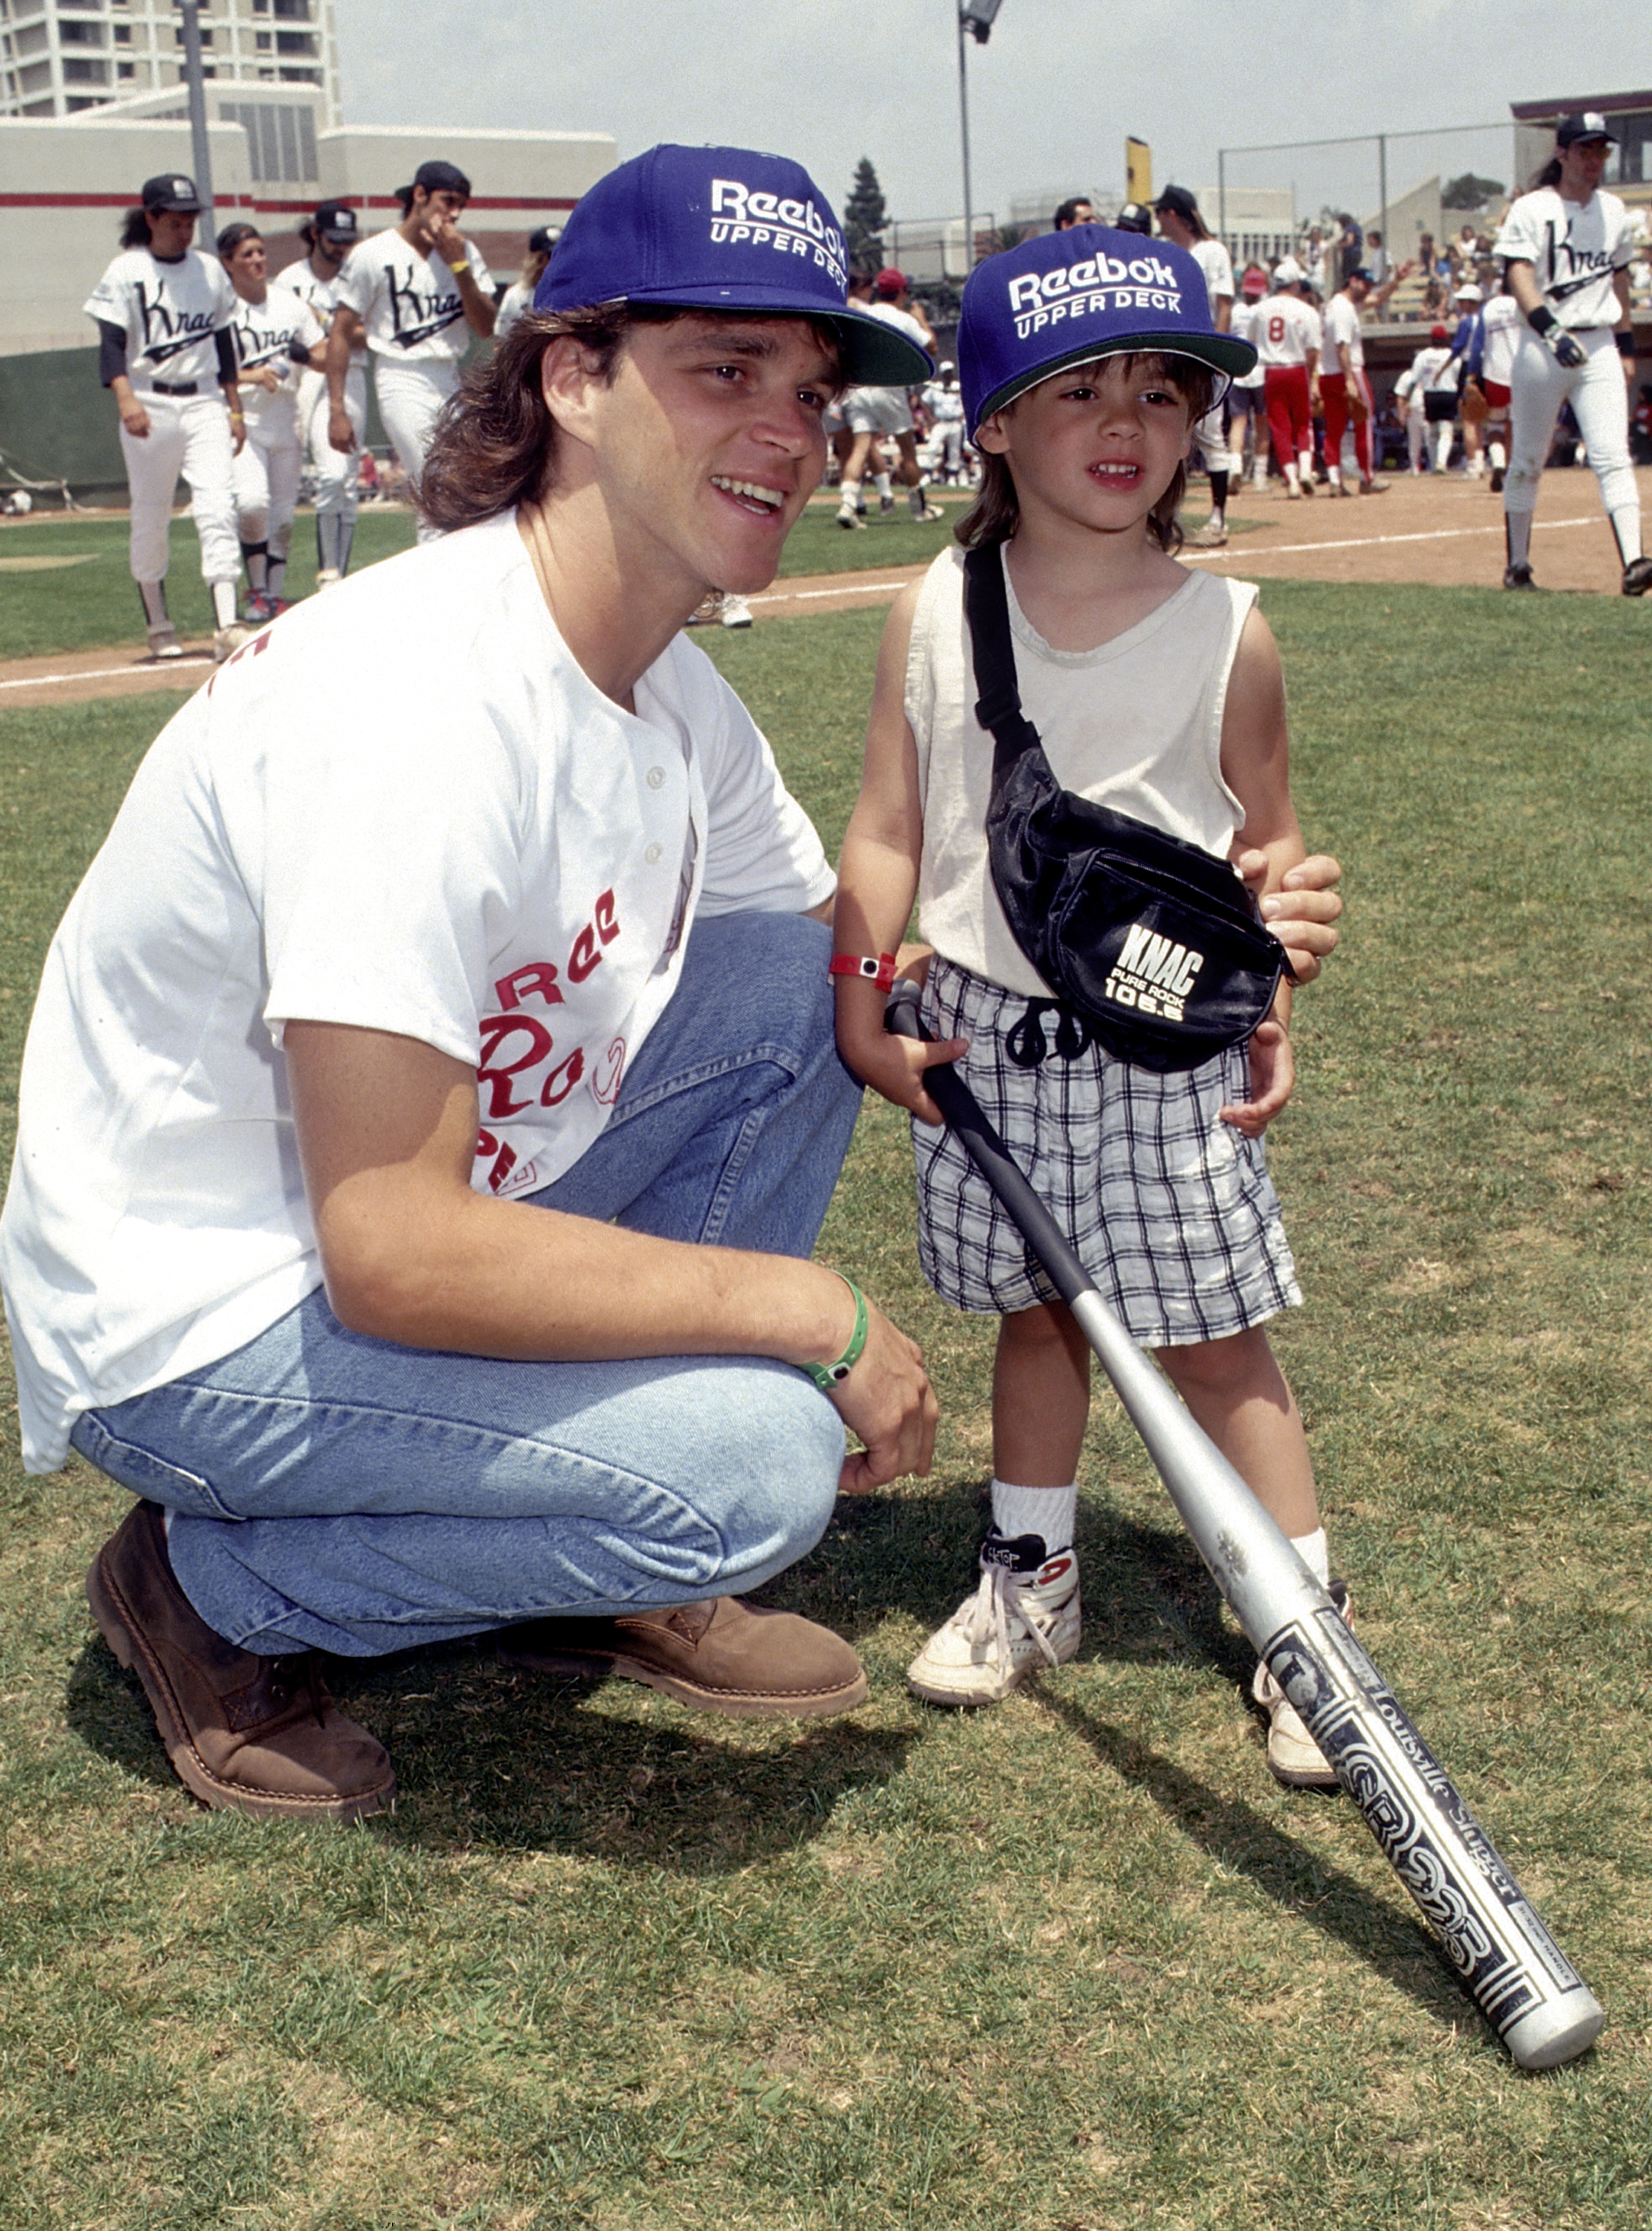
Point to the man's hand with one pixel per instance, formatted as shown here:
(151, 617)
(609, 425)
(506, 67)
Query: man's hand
(341, 435)
(888, 1401)
(1302, 911)
(135, 419)
(1568, 352)
(1273, 1074)
(448, 242)
(264, 376)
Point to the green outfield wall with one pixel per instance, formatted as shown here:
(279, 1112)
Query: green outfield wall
(58, 423)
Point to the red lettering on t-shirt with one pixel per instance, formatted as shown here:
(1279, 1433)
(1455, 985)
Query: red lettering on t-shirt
(497, 1031)
(604, 924)
(563, 1079)
(505, 1158)
(539, 976)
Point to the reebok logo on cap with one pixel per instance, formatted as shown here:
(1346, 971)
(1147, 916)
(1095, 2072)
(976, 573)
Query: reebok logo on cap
(1094, 284)
(794, 227)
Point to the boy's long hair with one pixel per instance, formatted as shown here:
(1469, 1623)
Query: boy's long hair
(996, 513)
(134, 229)
(495, 443)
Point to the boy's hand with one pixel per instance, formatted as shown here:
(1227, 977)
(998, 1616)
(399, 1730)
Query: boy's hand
(1273, 1074)
(895, 1066)
(1302, 912)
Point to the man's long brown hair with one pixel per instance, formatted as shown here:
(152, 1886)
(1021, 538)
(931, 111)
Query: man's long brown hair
(495, 443)
(996, 513)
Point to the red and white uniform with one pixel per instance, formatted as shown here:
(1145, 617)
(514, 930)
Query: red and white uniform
(1503, 325)
(1287, 339)
(1342, 330)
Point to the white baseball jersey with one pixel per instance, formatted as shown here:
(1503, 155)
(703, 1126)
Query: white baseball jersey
(944, 405)
(321, 294)
(516, 891)
(1573, 249)
(409, 303)
(1502, 320)
(1342, 324)
(1246, 316)
(1287, 328)
(264, 333)
(1424, 371)
(515, 302)
(1216, 264)
(169, 313)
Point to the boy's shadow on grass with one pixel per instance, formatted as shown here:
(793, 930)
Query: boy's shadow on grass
(494, 1757)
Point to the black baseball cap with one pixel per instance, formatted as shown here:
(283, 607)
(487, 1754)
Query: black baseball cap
(336, 221)
(542, 243)
(436, 178)
(1135, 216)
(1590, 124)
(1177, 199)
(173, 192)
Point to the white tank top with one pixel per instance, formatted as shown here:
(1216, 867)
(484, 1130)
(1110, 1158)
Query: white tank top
(1135, 725)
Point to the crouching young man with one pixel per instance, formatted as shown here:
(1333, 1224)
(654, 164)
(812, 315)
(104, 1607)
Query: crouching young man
(430, 1105)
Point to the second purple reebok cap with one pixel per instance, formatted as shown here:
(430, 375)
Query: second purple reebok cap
(722, 229)
(1065, 297)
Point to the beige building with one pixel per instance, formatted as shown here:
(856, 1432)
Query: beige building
(58, 57)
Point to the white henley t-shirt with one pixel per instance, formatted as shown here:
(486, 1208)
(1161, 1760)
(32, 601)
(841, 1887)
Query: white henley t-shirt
(403, 806)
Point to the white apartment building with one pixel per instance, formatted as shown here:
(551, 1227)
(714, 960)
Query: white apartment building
(58, 57)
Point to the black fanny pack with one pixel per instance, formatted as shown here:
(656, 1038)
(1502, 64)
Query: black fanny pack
(1155, 945)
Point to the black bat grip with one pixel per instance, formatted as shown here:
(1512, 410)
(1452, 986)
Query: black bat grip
(966, 1118)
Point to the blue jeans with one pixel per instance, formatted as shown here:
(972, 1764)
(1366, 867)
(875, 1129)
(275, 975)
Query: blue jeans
(333, 1491)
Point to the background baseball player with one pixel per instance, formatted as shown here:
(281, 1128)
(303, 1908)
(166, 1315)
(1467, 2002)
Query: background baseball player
(519, 299)
(275, 334)
(943, 401)
(1287, 339)
(1499, 325)
(1343, 385)
(871, 412)
(1179, 220)
(1411, 389)
(1246, 397)
(329, 236)
(420, 290)
(162, 313)
(1566, 248)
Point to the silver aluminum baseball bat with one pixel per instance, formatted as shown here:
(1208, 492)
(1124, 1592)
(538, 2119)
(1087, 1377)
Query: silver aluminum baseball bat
(1523, 1985)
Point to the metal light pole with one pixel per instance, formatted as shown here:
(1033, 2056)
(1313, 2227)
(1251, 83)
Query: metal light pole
(190, 11)
(974, 17)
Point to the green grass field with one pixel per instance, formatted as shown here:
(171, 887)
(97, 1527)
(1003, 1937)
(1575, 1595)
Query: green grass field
(1075, 1964)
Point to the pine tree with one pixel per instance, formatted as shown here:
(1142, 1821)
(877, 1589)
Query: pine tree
(864, 218)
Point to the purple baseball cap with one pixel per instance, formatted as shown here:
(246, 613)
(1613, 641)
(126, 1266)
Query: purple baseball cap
(723, 228)
(1065, 297)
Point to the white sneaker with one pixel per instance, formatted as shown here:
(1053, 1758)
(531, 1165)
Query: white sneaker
(228, 640)
(737, 613)
(327, 577)
(1025, 1614)
(848, 516)
(163, 642)
(1293, 1757)
(927, 513)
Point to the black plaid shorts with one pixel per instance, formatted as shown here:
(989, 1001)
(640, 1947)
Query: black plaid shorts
(1171, 1210)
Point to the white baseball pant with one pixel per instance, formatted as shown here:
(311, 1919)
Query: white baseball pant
(267, 479)
(410, 396)
(336, 493)
(1599, 400)
(188, 434)
(1211, 443)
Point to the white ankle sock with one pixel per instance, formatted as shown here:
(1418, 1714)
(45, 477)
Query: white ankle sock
(223, 603)
(881, 481)
(1046, 1511)
(1315, 1553)
(850, 493)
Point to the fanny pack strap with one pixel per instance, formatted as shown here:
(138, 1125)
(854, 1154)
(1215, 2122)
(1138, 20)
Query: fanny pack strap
(997, 707)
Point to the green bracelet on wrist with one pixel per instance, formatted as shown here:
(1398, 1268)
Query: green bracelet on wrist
(829, 1376)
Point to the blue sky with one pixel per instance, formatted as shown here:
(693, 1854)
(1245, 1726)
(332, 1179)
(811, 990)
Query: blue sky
(1052, 95)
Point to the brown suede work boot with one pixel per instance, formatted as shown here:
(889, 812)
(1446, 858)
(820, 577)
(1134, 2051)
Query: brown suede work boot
(245, 1733)
(724, 1656)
